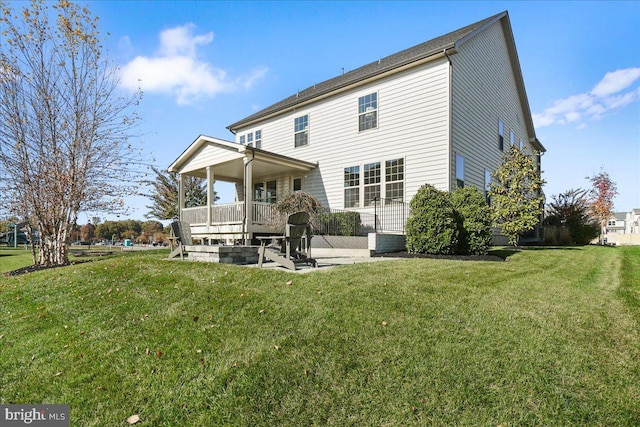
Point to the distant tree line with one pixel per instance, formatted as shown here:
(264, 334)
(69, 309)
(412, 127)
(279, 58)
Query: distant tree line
(136, 231)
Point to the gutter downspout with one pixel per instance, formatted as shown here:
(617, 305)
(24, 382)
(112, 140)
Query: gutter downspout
(245, 225)
(450, 130)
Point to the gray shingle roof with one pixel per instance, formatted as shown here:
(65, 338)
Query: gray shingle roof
(383, 65)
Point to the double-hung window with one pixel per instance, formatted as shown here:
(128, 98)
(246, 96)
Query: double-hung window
(394, 180)
(372, 174)
(301, 131)
(250, 139)
(259, 139)
(368, 112)
(242, 139)
(352, 187)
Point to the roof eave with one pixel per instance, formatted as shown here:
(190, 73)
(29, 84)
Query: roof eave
(431, 56)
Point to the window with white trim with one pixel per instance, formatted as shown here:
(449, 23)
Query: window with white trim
(459, 171)
(500, 135)
(368, 112)
(352, 187)
(259, 139)
(242, 139)
(394, 180)
(250, 139)
(512, 137)
(372, 179)
(301, 131)
(297, 185)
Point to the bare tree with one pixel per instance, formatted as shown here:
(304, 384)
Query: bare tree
(65, 125)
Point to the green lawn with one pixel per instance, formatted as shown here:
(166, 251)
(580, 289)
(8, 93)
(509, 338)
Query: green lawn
(550, 337)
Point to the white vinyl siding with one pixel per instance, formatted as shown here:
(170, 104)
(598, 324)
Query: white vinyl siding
(416, 127)
(484, 99)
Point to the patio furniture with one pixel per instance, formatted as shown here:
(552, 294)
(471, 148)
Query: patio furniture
(294, 247)
(181, 236)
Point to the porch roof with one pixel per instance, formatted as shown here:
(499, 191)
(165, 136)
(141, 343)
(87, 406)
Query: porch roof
(227, 160)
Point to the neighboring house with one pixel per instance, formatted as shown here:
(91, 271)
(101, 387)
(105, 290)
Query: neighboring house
(441, 112)
(623, 228)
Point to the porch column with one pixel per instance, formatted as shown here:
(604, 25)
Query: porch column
(248, 199)
(181, 198)
(210, 194)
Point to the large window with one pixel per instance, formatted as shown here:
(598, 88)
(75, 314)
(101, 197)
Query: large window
(364, 183)
(459, 171)
(301, 131)
(368, 112)
(250, 139)
(242, 139)
(371, 183)
(352, 187)
(394, 179)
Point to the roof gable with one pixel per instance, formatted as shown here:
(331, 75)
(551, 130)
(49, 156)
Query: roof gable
(382, 66)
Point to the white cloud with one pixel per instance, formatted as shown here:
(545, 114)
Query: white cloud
(616, 81)
(178, 71)
(605, 97)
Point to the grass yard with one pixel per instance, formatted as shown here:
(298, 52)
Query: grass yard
(550, 337)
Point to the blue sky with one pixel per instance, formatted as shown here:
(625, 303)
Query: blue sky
(206, 64)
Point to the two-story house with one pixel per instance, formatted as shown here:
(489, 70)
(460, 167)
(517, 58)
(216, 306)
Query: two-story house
(441, 112)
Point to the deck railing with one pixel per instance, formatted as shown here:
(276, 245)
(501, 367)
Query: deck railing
(228, 213)
(384, 216)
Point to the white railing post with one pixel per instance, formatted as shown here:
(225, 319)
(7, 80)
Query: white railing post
(210, 194)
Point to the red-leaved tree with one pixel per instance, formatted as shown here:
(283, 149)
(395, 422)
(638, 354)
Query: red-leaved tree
(603, 191)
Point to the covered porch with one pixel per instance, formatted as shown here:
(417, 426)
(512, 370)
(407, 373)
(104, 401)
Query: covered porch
(261, 178)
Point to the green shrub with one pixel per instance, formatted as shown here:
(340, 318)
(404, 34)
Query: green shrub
(474, 221)
(340, 223)
(432, 227)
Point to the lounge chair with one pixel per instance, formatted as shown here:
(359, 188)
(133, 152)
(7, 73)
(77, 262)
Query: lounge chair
(288, 249)
(181, 237)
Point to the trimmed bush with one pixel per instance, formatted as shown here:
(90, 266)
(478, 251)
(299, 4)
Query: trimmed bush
(432, 227)
(475, 221)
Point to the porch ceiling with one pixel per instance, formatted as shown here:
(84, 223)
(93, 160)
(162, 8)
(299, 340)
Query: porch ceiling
(227, 161)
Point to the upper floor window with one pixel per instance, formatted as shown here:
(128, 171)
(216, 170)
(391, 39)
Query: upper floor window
(512, 137)
(259, 139)
(612, 223)
(368, 112)
(250, 139)
(242, 139)
(301, 131)
(500, 135)
(459, 171)
(371, 183)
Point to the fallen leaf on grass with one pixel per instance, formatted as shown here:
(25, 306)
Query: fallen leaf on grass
(158, 353)
(290, 282)
(58, 374)
(384, 323)
(133, 419)
(276, 347)
(263, 311)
